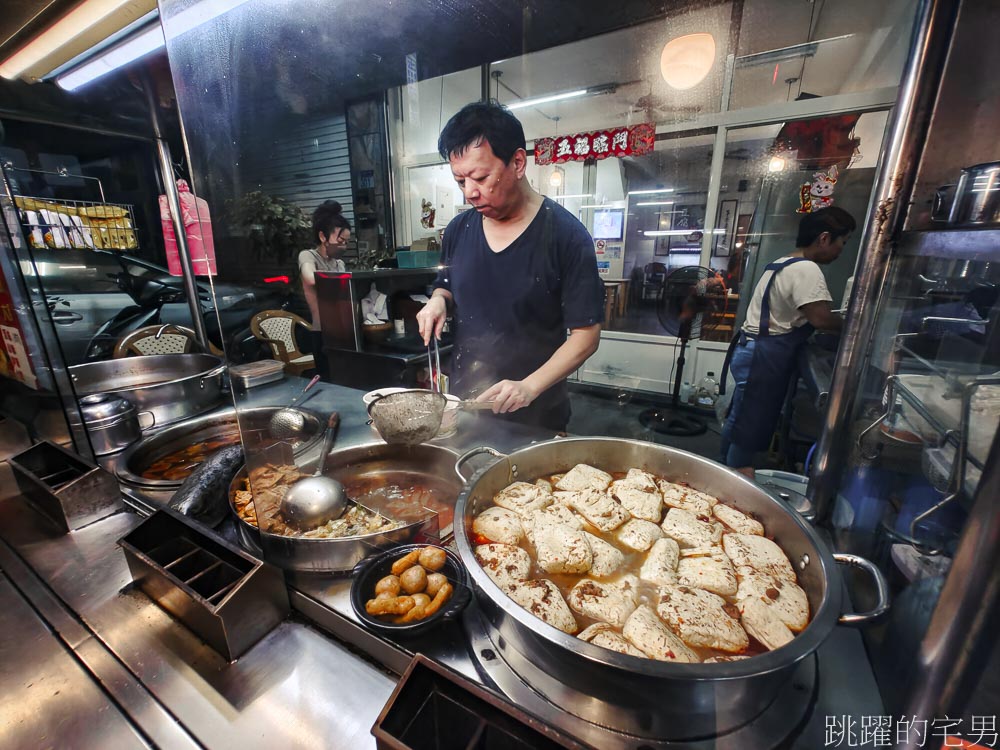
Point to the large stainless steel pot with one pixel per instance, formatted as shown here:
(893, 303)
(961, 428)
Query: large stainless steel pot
(253, 424)
(410, 463)
(643, 697)
(977, 196)
(165, 388)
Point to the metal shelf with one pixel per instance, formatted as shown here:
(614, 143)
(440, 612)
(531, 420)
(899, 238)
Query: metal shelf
(962, 244)
(76, 224)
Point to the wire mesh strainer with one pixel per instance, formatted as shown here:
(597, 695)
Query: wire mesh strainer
(408, 417)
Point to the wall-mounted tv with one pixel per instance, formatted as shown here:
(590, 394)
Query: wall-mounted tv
(608, 224)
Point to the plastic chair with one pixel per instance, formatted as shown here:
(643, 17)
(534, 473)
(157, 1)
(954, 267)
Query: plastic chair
(161, 339)
(277, 329)
(654, 277)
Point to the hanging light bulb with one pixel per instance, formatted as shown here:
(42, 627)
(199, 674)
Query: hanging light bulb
(686, 60)
(556, 178)
(776, 164)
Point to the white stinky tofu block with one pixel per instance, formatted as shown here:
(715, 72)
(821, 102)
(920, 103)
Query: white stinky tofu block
(555, 513)
(543, 599)
(641, 480)
(559, 548)
(504, 563)
(582, 477)
(759, 553)
(522, 497)
(603, 635)
(638, 535)
(660, 565)
(499, 525)
(648, 633)
(639, 502)
(763, 623)
(702, 619)
(607, 558)
(606, 601)
(712, 572)
(788, 601)
(599, 509)
(678, 496)
(737, 520)
(690, 530)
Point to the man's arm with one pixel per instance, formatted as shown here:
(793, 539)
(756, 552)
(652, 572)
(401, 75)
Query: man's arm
(430, 319)
(511, 395)
(822, 317)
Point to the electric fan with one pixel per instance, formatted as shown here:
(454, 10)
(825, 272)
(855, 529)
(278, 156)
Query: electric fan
(691, 303)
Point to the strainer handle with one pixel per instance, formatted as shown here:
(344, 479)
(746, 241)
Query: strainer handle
(472, 453)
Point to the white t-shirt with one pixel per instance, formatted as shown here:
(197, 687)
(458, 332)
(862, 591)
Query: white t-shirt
(311, 261)
(796, 285)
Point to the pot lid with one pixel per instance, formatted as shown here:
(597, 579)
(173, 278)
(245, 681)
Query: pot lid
(100, 406)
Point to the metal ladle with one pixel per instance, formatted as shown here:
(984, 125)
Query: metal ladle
(313, 501)
(288, 422)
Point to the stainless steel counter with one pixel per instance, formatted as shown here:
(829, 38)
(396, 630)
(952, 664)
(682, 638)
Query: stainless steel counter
(299, 687)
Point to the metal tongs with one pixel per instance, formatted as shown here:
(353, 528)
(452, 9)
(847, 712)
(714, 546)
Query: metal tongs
(434, 367)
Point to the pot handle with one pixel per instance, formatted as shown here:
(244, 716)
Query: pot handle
(881, 589)
(475, 452)
(152, 419)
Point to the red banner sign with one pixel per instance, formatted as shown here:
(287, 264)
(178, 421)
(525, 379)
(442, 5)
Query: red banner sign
(599, 144)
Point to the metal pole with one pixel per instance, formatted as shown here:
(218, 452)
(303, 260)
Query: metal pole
(961, 634)
(174, 203)
(932, 35)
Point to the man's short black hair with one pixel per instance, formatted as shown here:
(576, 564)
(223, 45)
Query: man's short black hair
(833, 219)
(489, 121)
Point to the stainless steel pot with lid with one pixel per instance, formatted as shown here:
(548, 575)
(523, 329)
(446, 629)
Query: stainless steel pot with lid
(165, 388)
(112, 422)
(643, 697)
(976, 200)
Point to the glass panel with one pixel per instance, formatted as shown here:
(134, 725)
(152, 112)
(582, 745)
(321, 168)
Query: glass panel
(615, 78)
(805, 50)
(665, 197)
(422, 108)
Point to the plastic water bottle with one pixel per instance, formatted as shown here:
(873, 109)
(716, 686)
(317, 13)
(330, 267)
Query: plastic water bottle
(685, 392)
(708, 391)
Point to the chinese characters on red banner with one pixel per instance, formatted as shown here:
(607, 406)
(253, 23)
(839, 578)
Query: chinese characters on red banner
(599, 144)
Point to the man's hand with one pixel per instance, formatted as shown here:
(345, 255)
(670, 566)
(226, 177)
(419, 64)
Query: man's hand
(508, 396)
(431, 318)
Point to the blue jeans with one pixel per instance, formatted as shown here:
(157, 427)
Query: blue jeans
(739, 371)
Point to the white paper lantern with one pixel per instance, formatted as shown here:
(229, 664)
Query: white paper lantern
(686, 60)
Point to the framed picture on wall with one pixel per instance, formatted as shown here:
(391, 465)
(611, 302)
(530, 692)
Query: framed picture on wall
(687, 229)
(722, 243)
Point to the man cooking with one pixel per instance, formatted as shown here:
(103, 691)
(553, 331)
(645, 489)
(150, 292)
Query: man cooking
(519, 271)
(791, 300)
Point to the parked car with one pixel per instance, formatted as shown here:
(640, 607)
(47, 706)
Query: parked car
(95, 297)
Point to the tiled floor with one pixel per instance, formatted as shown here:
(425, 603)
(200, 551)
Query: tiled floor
(600, 412)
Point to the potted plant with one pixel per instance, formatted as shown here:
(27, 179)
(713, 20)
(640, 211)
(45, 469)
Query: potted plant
(276, 228)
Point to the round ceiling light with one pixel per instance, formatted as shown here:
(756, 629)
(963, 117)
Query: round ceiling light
(686, 60)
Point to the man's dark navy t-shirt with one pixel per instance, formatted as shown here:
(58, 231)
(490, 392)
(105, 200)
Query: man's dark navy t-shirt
(513, 308)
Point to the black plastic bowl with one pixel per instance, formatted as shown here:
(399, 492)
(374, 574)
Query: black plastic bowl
(371, 570)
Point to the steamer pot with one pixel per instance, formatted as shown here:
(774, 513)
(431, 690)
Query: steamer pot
(643, 697)
(165, 388)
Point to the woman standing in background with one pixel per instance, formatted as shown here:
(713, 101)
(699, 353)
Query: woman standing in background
(332, 231)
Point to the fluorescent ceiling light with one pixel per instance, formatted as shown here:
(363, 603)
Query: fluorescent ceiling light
(656, 203)
(147, 41)
(649, 192)
(73, 33)
(805, 49)
(679, 232)
(546, 99)
(563, 197)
